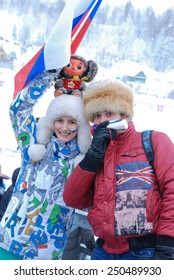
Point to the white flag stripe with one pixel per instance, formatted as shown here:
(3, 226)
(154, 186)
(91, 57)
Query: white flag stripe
(86, 17)
(57, 47)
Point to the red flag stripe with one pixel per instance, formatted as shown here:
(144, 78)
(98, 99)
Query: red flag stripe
(75, 29)
(75, 43)
(21, 76)
(79, 26)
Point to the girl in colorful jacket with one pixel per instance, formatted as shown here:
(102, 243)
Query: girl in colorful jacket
(37, 222)
(117, 181)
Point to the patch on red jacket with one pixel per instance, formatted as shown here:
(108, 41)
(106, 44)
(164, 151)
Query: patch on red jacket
(133, 180)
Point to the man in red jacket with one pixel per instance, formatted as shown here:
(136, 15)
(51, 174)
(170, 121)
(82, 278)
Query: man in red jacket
(117, 182)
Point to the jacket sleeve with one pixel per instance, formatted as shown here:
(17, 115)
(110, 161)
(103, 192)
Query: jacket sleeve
(164, 169)
(78, 191)
(21, 110)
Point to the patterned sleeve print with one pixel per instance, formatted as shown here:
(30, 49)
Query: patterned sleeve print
(21, 110)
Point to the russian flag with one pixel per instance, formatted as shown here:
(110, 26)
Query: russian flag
(63, 41)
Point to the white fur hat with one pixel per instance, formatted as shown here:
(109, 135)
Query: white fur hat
(63, 105)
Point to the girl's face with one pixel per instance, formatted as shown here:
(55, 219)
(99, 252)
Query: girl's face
(100, 117)
(75, 67)
(65, 128)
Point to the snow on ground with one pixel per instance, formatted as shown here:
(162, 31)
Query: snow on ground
(154, 113)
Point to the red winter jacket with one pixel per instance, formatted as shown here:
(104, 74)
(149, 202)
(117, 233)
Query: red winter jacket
(124, 196)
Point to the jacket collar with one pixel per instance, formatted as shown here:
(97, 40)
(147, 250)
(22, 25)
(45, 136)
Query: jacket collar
(124, 135)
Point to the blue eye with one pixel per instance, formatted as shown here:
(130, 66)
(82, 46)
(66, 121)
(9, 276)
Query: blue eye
(79, 67)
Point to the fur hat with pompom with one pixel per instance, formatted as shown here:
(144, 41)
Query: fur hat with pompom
(63, 105)
(108, 95)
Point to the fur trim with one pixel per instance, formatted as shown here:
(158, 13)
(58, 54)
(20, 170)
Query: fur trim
(108, 95)
(36, 152)
(63, 105)
(44, 131)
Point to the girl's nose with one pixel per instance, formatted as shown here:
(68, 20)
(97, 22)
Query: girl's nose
(65, 126)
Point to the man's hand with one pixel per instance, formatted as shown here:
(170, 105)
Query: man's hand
(95, 154)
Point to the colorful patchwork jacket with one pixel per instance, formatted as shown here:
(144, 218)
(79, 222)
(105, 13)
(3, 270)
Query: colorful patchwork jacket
(37, 223)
